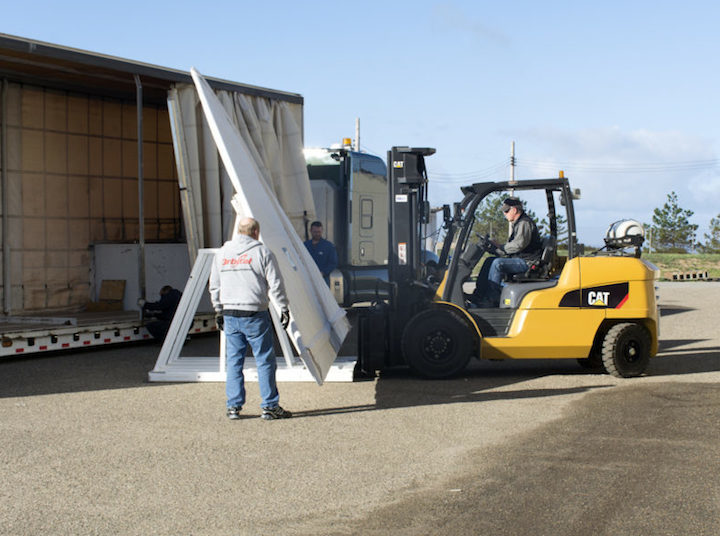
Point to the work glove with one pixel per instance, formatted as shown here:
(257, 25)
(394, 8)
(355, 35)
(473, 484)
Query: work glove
(220, 321)
(284, 318)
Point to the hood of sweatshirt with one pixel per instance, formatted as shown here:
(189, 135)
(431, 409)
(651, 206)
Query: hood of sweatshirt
(243, 243)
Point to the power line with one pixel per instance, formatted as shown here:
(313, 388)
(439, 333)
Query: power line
(639, 167)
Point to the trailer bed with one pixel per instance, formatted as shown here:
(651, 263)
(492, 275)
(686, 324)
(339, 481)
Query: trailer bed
(29, 334)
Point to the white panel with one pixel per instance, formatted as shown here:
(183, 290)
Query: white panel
(318, 326)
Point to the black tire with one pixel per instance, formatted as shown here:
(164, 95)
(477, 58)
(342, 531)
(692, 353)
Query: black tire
(437, 343)
(626, 350)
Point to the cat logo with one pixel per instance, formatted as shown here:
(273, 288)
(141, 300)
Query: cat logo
(597, 298)
(398, 164)
(607, 296)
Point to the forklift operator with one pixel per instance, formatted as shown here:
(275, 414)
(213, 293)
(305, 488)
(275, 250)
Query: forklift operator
(523, 246)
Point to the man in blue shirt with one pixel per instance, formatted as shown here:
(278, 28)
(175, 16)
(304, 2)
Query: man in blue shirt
(322, 251)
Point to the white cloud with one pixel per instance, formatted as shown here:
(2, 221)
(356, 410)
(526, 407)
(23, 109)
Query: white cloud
(451, 17)
(625, 174)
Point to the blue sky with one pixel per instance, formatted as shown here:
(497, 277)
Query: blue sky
(621, 95)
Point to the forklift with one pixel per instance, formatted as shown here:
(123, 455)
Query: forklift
(599, 308)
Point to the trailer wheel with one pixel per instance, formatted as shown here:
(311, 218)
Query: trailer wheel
(437, 343)
(626, 350)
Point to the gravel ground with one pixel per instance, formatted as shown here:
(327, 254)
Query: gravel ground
(87, 446)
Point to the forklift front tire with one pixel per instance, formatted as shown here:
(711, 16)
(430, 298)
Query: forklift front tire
(437, 343)
(626, 350)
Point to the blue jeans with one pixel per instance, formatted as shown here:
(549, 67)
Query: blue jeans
(255, 331)
(491, 275)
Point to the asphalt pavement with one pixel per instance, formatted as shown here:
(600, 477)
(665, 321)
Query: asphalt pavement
(87, 446)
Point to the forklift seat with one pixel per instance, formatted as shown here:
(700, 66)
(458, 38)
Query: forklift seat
(540, 269)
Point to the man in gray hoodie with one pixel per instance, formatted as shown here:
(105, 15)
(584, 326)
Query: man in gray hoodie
(244, 274)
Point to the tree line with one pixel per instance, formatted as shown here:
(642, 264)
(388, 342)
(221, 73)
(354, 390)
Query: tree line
(672, 232)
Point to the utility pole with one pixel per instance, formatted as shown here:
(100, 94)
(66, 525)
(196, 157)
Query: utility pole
(512, 167)
(357, 134)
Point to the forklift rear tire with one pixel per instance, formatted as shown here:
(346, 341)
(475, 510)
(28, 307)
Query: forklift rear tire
(626, 350)
(437, 344)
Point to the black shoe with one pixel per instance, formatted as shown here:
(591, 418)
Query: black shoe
(277, 412)
(233, 412)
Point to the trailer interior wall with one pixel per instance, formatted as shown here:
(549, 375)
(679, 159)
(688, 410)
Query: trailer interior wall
(71, 176)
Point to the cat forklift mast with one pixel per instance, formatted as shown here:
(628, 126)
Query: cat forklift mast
(598, 308)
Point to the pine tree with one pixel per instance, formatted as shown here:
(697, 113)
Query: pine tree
(712, 240)
(489, 218)
(672, 231)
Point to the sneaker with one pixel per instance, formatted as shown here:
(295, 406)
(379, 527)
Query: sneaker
(233, 412)
(277, 412)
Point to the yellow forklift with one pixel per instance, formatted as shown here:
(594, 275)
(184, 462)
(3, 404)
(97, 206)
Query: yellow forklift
(599, 308)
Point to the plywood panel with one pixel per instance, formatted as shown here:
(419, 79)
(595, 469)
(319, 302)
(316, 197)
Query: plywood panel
(78, 120)
(57, 233)
(151, 199)
(132, 230)
(130, 198)
(33, 194)
(150, 160)
(55, 152)
(14, 105)
(33, 268)
(166, 193)
(56, 201)
(33, 148)
(95, 160)
(97, 230)
(32, 107)
(78, 276)
(78, 157)
(15, 188)
(114, 230)
(112, 198)
(151, 230)
(55, 111)
(56, 259)
(78, 258)
(15, 237)
(163, 127)
(16, 266)
(14, 148)
(112, 157)
(58, 297)
(150, 124)
(78, 197)
(56, 276)
(97, 197)
(129, 159)
(33, 233)
(95, 117)
(166, 161)
(79, 294)
(33, 298)
(129, 121)
(112, 119)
